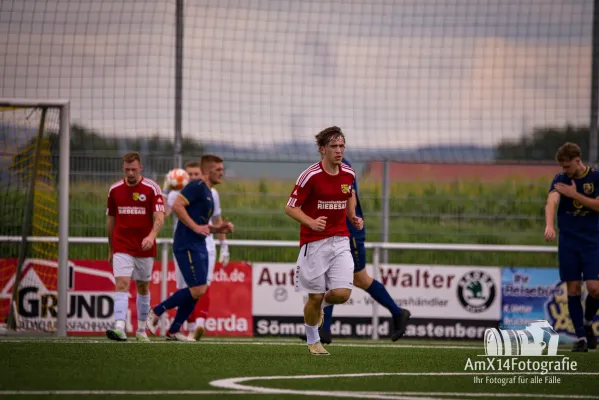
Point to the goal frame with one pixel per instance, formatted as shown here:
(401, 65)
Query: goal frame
(64, 107)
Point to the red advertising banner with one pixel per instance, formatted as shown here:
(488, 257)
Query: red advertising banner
(91, 304)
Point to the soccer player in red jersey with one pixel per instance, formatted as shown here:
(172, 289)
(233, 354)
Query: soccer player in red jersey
(135, 217)
(320, 201)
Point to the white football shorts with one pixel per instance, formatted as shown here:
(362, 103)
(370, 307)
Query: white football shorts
(136, 268)
(211, 247)
(323, 265)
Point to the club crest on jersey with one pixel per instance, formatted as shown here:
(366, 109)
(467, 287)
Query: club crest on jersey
(588, 188)
(345, 188)
(140, 197)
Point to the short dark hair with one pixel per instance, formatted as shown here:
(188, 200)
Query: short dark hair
(209, 158)
(193, 164)
(131, 156)
(328, 134)
(567, 152)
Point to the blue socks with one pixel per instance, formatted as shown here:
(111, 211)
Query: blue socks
(379, 293)
(591, 306)
(328, 318)
(575, 309)
(178, 298)
(183, 312)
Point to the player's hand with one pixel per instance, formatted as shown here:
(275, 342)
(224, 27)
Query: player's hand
(147, 243)
(319, 224)
(358, 223)
(549, 233)
(566, 190)
(203, 230)
(224, 254)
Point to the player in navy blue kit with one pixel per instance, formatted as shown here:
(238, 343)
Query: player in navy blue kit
(194, 207)
(574, 193)
(364, 281)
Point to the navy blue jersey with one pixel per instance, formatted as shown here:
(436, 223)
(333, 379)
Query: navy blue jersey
(573, 219)
(358, 234)
(200, 206)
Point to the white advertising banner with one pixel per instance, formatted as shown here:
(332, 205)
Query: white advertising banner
(453, 292)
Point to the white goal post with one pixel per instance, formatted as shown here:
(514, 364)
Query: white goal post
(63, 198)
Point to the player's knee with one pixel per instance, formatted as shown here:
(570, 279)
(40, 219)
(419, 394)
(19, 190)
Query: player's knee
(362, 280)
(121, 283)
(314, 300)
(593, 289)
(143, 288)
(573, 288)
(338, 296)
(198, 291)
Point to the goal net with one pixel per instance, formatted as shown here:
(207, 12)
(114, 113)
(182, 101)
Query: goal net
(29, 197)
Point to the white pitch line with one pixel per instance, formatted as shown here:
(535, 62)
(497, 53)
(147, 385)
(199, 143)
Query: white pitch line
(485, 394)
(233, 342)
(115, 392)
(235, 384)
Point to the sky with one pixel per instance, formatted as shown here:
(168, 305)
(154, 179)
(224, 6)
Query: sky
(391, 74)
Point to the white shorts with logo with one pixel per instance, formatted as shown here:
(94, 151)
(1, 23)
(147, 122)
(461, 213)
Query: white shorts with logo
(136, 268)
(211, 247)
(323, 265)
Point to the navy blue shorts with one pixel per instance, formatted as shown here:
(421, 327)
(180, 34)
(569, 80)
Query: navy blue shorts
(578, 260)
(358, 252)
(193, 265)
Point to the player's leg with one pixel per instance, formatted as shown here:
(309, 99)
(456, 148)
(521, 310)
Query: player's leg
(122, 266)
(377, 290)
(570, 272)
(142, 274)
(309, 277)
(590, 274)
(200, 312)
(197, 287)
(180, 281)
(190, 264)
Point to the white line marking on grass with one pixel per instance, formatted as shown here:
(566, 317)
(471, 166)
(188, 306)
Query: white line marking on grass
(234, 342)
(485, 394)
(235, 384)
(115, 392)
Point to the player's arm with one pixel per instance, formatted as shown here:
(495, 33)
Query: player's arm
(110, 223)
(588, 202)
(351, 207)
(300, 193)
(158, 223)
(550, 208)
(356, 221)
(553, 199)
(158, 216)
(218, 221)
(180, 210)
(298, 215)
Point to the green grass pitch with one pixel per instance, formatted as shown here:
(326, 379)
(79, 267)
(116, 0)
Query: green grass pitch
(220, 368)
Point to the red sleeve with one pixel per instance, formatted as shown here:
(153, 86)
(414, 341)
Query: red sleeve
(111, 206)
(158, 203)
(300, 193)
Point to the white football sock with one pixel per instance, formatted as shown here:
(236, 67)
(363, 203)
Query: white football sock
(201, 322)
(143, 309)
(191, 326)
(312, 335)
(120, 325)
(121, 305)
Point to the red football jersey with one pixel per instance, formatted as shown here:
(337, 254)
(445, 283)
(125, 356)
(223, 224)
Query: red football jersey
(320, 194)
(134, 207)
